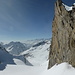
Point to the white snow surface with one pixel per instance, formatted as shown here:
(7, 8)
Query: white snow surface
(6, 58)
(37, 57)
(61, 69)
(18, 62)
(24, 70)
(68, 8)
(37, 54)
(73, 3)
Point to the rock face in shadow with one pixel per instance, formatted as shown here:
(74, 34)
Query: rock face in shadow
(63, 36)
(5, 58)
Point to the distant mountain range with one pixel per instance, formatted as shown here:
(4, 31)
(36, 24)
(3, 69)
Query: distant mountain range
(30, 52)
(15, 48)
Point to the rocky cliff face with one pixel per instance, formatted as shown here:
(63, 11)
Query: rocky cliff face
(63, 36)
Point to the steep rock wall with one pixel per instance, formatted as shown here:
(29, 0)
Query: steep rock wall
(63, 36)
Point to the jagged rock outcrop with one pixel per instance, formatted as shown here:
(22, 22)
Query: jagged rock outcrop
(63, 36)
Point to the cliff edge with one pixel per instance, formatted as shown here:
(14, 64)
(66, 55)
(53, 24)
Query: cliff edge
(63, 35)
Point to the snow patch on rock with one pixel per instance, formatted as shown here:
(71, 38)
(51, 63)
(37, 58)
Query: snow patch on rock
(68, 8)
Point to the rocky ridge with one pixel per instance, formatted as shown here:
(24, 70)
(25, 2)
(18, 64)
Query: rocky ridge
(63, 36)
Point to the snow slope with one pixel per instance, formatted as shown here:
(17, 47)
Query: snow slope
(23, 70)
(38, 53)
(35, 51)
(15, 48)
(32, 61)
(6, 58)
(35, 41)
(61, 69)
(37, 56)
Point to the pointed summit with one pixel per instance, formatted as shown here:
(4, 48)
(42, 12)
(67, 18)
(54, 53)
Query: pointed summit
(63, 36)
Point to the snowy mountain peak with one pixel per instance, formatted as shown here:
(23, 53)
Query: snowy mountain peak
(15, 48)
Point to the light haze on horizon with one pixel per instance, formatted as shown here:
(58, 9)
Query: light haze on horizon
(26, 19)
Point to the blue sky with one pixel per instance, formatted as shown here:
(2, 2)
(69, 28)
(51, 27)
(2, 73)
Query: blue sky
(26, 19)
